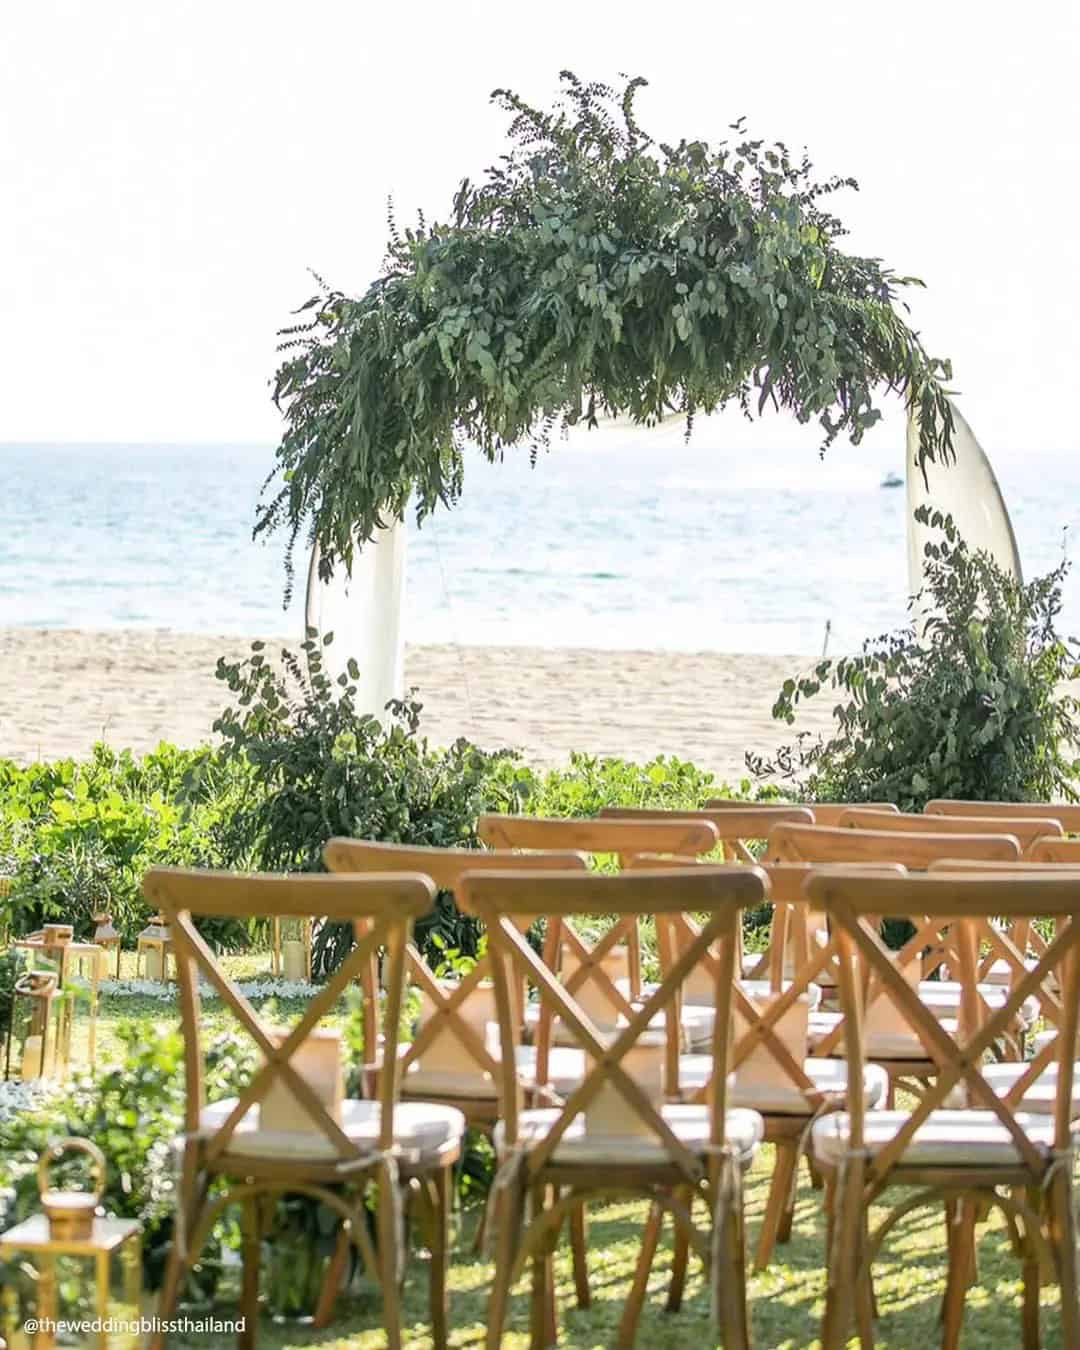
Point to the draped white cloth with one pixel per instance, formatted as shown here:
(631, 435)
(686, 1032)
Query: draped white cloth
(364, 614)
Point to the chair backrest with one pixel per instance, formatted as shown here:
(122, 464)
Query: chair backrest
(1055, 851)
(735, 828)
(386, 904)
(680, 837)
(625, 839)
(629, 1108)
(451, 1036)
(1010, 938)
(1068, 816)
(1026, 829)
(850, 898)
(824, 813)
(820, 844)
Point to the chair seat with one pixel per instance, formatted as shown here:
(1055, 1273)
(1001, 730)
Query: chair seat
(697, 1023)
(1003, 972)
(566, 1069)
(1041, 1096)
(690, 1125)
(784, 1099)
(943, 997)
(945, 1139)
(420, 1127)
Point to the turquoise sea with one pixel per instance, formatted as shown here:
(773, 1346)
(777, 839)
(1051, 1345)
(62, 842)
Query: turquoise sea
(688, 549)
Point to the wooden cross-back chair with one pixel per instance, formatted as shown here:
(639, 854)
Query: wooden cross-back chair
(1066, 814)
(1024, 829)
(893, 1044)
(780, 1078)
(736, 825)
(625, 1128)
(989, 1152)
(587, 967)
(824, 813)
(739, 825)
(1012, 945)
(309, 1146)
(450, 1059)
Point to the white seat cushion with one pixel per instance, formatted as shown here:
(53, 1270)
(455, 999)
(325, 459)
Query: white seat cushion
(945, 1139)
(1041, 1096)
(420, 1127)
(827, 1075)
(1003, 972)
(689, 1124)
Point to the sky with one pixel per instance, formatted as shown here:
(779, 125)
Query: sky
(170, 169)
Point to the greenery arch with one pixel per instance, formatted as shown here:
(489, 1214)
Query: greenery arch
(591, 271)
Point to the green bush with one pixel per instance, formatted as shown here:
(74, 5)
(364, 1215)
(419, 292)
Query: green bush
(589, 784)
(318, 768)
(80, 836)
(971, 707)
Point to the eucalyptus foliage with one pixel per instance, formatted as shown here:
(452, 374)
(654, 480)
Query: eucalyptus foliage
(971, 704)
(591, 271)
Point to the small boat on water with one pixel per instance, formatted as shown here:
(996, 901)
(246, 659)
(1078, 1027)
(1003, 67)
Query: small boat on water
(892, 479)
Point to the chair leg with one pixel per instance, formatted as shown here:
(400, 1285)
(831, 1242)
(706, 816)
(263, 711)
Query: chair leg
(541, 1313)
(508, 1219)
(845, 1256)
(1064, 1237)
(731, 1295)
(865, 1303)
(175, 1267)
(779, 1189)
(251, 1250)
(680, 1255)
(440, 1256)
(817, 1180)
(579, 1249)
(959, 1274)
(1031, 1300)
(324, 1309)
(389, 1260)
(635, 1301)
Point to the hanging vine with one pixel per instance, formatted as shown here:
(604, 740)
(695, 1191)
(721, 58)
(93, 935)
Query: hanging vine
(592, 271)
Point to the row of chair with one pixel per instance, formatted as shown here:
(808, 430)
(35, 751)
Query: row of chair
(604, 1080)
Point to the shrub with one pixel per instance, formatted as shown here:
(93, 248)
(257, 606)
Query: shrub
(588, 784)
(970, 707)
(318, 768)
(80, 836)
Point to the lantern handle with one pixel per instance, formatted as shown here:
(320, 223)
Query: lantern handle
(57, 1148)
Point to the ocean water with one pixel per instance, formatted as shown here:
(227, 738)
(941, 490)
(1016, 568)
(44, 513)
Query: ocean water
(690, 548)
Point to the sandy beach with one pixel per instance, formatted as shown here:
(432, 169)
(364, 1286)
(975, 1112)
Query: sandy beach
(63, 689)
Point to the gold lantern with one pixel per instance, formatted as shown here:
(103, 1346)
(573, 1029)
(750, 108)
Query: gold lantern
(69, 1227)
(152, 951)
(107, 938)
(77, 966)
(35, 1046)
(291, 956)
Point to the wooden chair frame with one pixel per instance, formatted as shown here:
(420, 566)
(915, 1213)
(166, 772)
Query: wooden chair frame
(445, 867)
(824, 813)
(1025, 829)
(387, 905)
(625, 839)
(1067, 815)
(1046, 1220)
(534, 1170)
(916, 851)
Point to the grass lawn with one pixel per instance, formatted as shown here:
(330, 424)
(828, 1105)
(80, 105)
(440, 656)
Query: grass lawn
(785, 1301)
